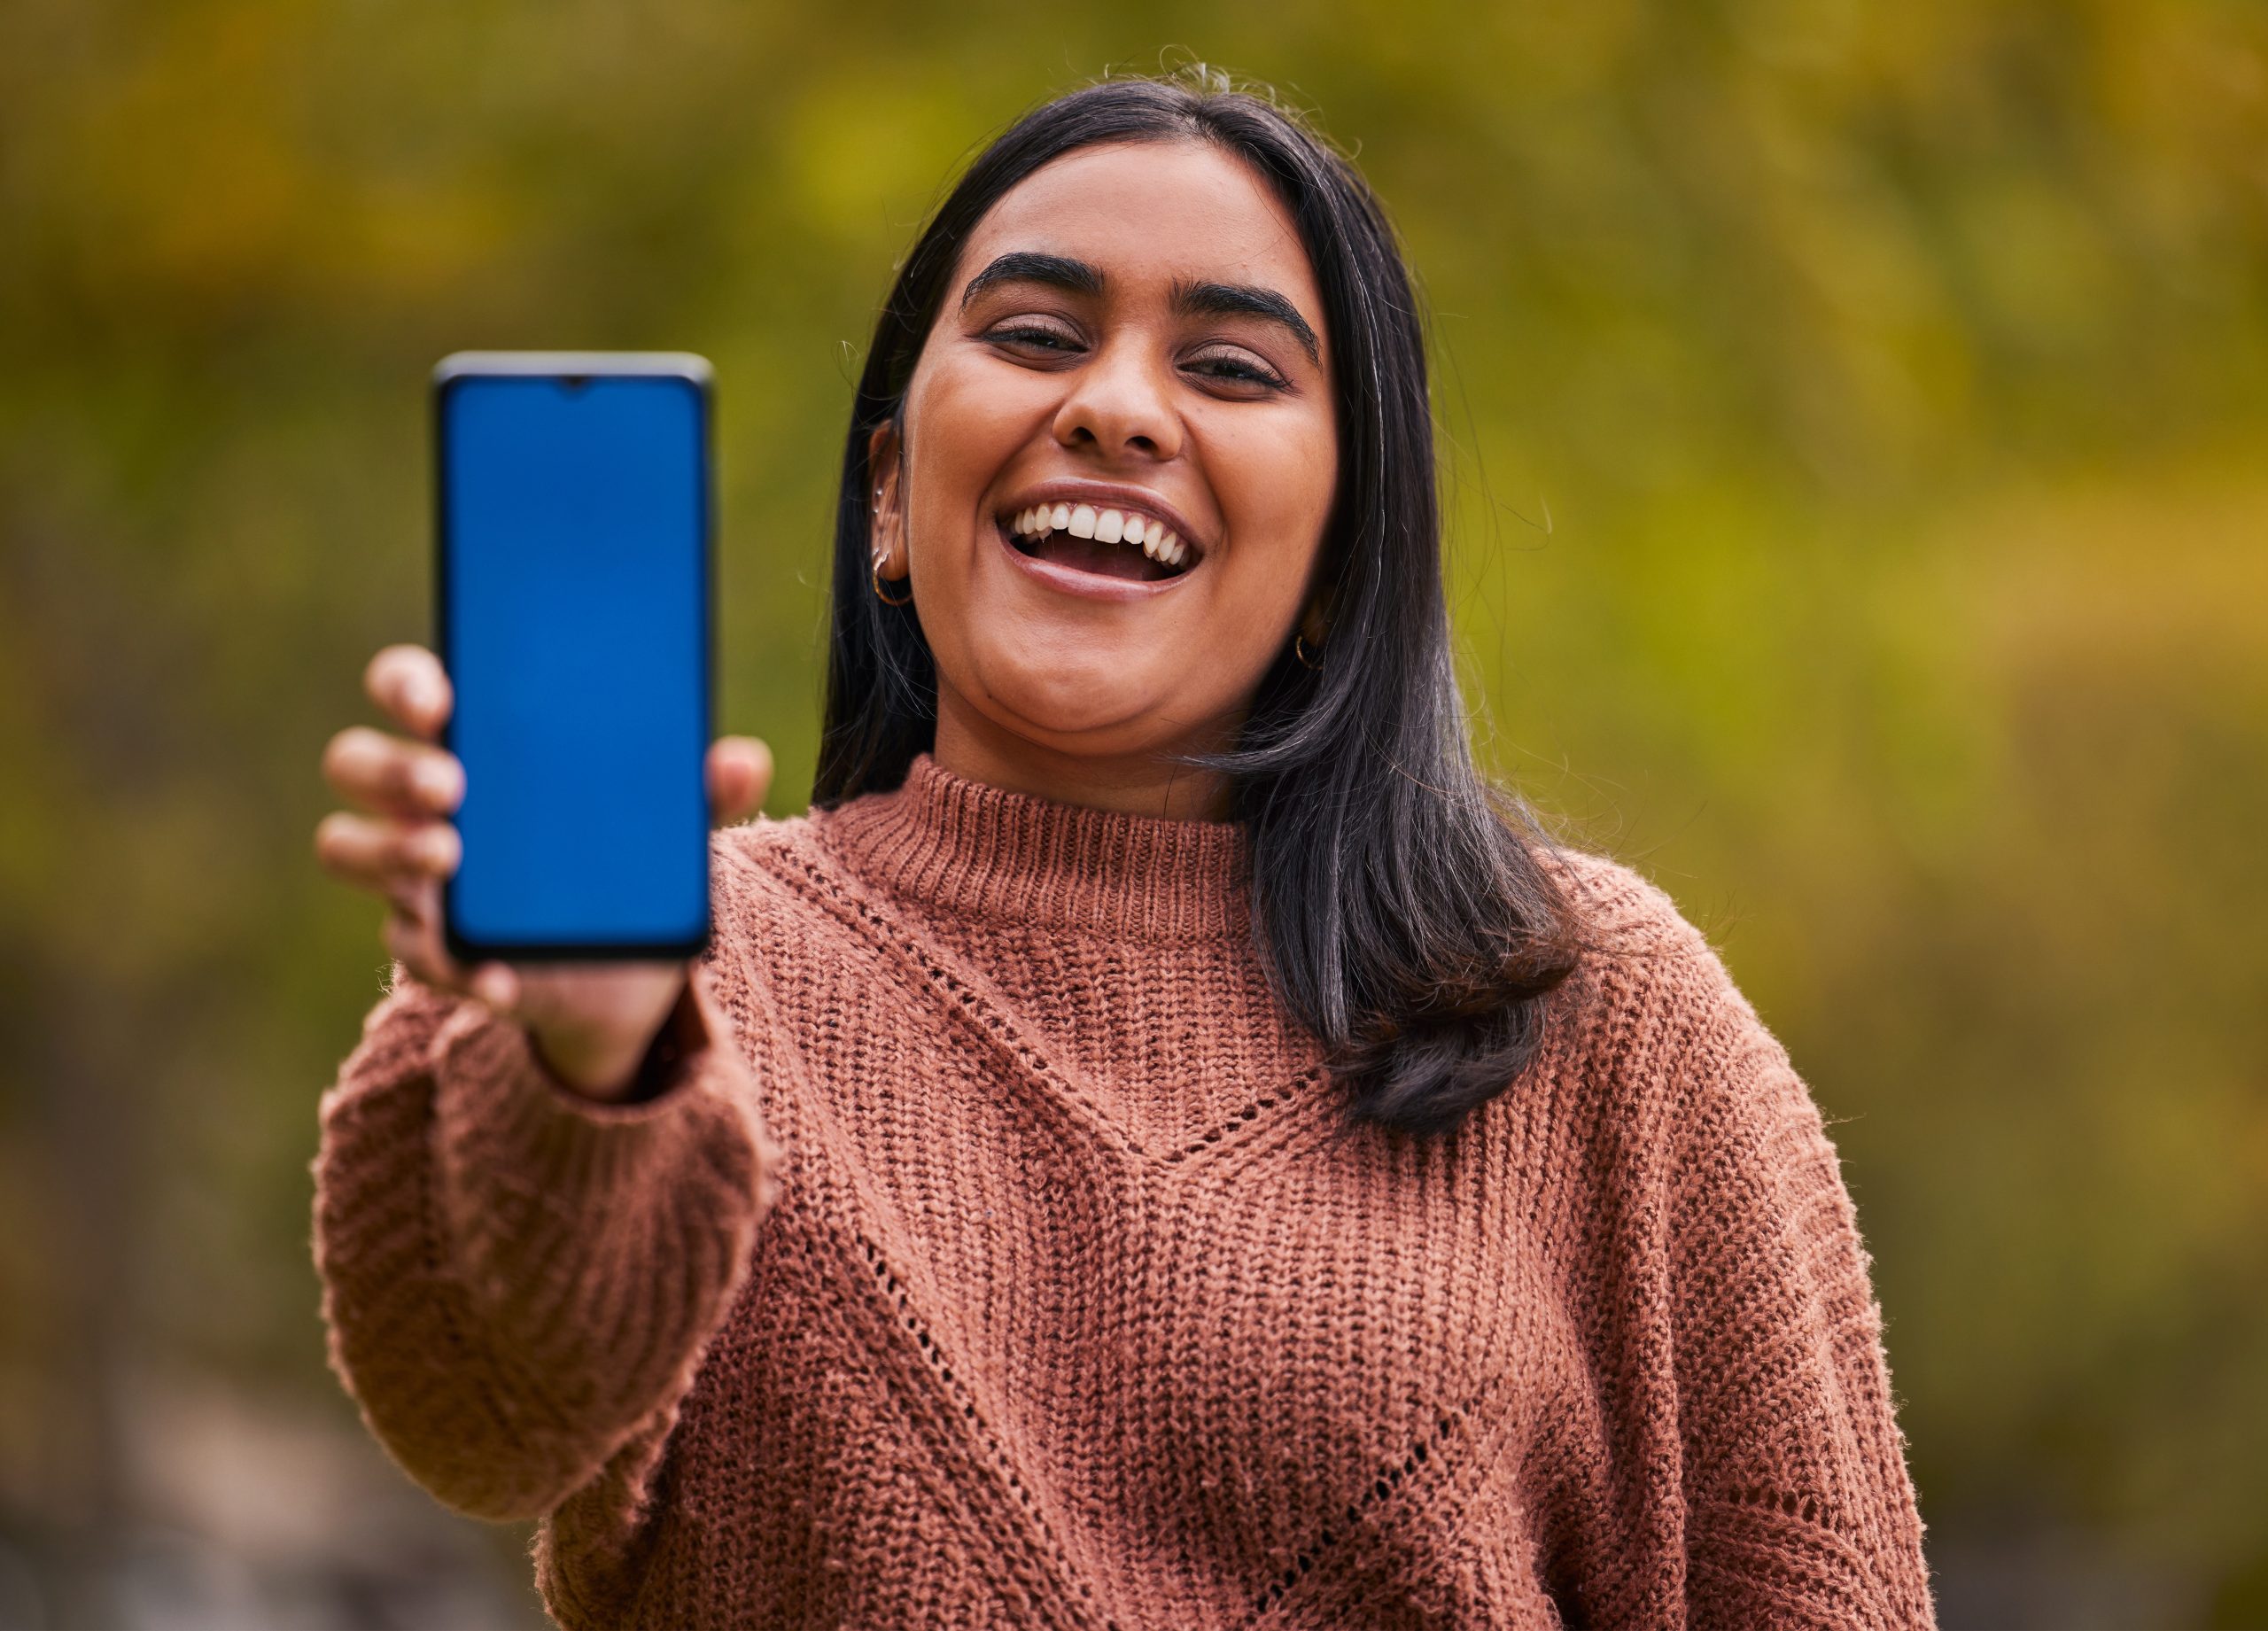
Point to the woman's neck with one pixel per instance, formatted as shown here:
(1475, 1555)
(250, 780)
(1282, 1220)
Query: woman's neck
(1133, 783)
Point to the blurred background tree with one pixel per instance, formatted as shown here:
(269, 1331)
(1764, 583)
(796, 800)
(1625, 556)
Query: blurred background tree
(1853, 417)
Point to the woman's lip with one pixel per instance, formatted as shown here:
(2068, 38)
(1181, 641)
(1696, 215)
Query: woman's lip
(1087, 585)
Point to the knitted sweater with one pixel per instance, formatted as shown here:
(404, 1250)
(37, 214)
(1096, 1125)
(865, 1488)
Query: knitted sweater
(1004, 1257)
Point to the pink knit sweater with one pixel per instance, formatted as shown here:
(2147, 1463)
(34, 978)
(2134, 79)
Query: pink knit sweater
(1003, 1261)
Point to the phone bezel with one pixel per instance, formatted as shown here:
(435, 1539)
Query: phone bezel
(694, 372)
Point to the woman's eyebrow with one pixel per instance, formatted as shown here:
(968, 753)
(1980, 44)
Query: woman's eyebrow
(1025, 265)
(1188, 298)
(1201, 299)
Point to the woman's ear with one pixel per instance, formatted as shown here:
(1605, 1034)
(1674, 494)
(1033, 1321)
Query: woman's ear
(884, 509)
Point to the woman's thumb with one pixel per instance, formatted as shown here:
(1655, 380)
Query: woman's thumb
(740, 775)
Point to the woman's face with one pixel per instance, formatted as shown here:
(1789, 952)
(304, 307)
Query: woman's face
(1134, 330)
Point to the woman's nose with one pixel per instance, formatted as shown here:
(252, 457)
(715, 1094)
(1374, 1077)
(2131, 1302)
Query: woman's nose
(1122, 400)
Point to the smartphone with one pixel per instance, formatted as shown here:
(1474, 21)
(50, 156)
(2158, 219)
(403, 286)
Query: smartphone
(573, 591)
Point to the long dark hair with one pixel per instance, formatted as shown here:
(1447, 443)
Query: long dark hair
(1400, 903)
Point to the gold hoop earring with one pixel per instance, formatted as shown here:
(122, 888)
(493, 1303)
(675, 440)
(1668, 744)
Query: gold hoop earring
(876, 576)
(1300, 651)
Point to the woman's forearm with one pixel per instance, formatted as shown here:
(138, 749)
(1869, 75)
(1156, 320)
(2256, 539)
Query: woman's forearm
(516, 1278)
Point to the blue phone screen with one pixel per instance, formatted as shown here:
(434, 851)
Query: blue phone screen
(575, 628)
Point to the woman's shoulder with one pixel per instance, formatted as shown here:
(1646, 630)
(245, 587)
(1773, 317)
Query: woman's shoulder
(1647, 974)
(794, 867)
(783, 901)
(767, 854)
(1612, 898)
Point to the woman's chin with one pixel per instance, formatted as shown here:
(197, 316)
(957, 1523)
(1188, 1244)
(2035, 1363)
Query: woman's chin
(1081, 703)
(1082, 719)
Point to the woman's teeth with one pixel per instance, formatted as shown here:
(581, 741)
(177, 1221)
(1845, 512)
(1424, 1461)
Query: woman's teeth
(1154, 539)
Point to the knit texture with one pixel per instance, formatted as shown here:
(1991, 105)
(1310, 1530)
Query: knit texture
(1005, 1257)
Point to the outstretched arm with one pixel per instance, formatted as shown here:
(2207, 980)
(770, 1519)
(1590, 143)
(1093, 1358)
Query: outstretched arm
(517, 1278)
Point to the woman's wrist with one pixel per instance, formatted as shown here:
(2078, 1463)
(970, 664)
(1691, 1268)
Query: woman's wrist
(622, 1069)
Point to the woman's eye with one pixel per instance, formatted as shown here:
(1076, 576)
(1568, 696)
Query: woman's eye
(1049, 337)
(1236, 369)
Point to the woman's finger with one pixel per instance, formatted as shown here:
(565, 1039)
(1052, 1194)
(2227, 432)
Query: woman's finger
(376, 853)
(410, 683)
(393, 777)
(740, 775)
(416, 945)
(413, 935)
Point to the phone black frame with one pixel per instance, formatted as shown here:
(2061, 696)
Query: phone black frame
(572, 367)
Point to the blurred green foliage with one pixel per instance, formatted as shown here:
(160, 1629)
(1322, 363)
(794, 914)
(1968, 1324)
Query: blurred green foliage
(1852, 422)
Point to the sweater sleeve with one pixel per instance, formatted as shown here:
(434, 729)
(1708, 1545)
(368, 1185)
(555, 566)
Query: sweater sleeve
(1799, 1507)
(516, 1279)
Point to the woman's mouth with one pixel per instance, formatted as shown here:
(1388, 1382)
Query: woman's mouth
(1108, 543)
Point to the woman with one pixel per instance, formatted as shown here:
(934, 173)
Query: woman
(1161, 1143)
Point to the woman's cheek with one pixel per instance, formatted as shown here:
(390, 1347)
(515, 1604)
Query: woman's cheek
(1260, 595)
(983, 414)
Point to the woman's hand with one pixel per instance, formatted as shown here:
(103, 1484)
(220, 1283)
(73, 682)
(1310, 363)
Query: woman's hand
(591, 1023)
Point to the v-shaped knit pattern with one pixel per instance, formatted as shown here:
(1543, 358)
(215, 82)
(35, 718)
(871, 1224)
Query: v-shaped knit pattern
(1060, 1291)
(1110, 956)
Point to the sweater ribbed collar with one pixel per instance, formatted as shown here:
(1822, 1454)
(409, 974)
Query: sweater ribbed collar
(966, 847)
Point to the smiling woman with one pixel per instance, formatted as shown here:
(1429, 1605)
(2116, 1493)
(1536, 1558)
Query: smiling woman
(1180, 308)
(1163, 1142)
